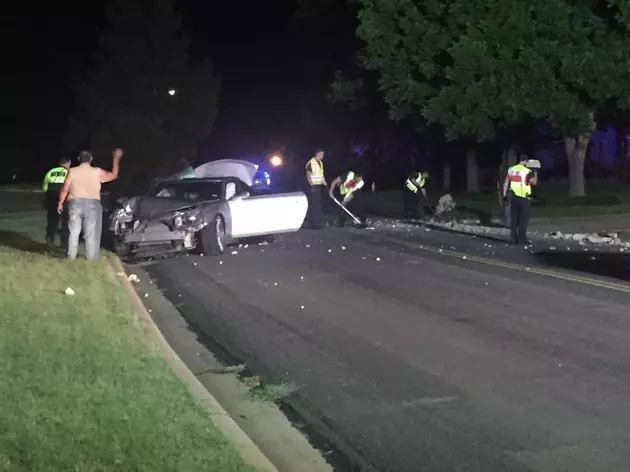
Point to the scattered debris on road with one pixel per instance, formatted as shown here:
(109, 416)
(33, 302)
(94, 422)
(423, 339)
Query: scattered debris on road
(474, 228)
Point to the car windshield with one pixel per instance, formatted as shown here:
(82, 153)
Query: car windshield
(191, 191)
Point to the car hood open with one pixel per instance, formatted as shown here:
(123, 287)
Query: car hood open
(242, 170)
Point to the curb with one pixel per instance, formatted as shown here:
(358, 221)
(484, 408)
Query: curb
(251, 454)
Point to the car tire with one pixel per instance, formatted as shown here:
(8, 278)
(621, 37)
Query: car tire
(121, 249)
(213, 237)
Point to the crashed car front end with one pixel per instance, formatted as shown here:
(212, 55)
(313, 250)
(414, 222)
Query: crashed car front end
(176, 229)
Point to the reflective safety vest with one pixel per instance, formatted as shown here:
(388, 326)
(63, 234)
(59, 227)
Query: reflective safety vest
(415, 182)
(349, 185)
(55, 177)
(517, 175)
(316, 169)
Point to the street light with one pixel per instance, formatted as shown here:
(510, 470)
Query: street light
(172, 92)
(275, 160)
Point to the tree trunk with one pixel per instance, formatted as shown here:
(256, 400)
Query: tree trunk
(446, 176)
(621, 160)
(472, 172)
(508, 159)
(511, 157)
(576, 149)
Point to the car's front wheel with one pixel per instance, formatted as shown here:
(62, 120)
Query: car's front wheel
(213, 237)
(122, 250)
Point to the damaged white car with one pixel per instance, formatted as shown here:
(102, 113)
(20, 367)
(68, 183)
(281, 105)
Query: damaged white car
(207, 213)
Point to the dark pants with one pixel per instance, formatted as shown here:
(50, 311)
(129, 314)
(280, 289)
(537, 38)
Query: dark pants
(315, 206)
(52, 217)
(519, 218)
(355, 206)
(410, 204)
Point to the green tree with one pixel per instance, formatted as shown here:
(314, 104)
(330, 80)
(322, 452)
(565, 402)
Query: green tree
(478, 66)
(142, 92)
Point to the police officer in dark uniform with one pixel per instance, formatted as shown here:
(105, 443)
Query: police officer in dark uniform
(53, 182)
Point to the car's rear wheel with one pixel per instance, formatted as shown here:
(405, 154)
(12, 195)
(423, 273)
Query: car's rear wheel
(213, 237)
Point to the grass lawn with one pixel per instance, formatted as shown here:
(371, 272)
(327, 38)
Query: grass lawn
(603, 198)
(80, 387)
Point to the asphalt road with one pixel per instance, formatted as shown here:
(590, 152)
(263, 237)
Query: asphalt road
(427, 351)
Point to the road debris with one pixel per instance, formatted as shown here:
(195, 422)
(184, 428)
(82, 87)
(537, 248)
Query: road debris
(134, 278)
(234, 252)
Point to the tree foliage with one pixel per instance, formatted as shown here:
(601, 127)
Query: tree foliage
(125, 101)
(476, 65)
(473, 64)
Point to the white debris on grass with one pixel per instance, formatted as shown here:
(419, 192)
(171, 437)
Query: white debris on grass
(69, 291)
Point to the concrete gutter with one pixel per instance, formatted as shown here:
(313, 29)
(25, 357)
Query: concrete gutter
(221, 419)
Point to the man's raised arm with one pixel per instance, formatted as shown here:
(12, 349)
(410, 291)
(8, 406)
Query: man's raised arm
(107, 176)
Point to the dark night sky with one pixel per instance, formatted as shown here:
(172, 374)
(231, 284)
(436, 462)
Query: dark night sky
(267, 62)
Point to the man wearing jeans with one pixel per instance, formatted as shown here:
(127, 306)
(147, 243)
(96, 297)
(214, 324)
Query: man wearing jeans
(83, 189)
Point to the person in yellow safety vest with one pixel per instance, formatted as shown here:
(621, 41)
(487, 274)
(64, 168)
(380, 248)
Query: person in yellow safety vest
(53, 182)
(518, 188)
(414, 184)
(316, 181)
(344, 189)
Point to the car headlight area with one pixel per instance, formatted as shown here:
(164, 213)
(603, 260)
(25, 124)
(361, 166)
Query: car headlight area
(189, 220)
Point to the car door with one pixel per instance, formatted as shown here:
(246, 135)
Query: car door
(267, 214)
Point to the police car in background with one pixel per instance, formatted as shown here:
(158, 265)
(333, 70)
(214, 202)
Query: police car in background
(263, 179)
